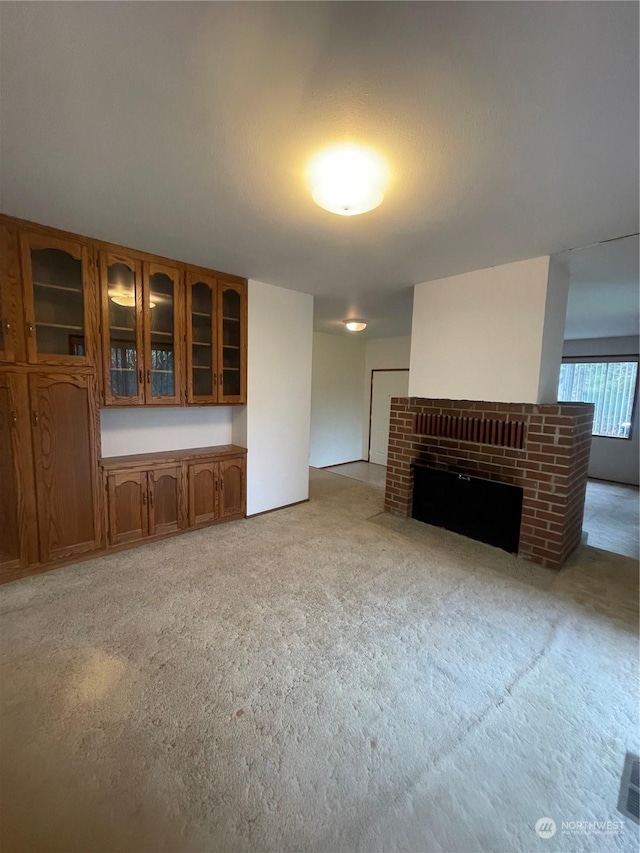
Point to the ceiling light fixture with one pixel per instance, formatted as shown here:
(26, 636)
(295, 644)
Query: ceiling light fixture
(355, 325)
(347, 179)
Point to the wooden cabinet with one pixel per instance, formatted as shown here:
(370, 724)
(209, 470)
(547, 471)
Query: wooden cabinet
(84, 323)
(48, 297)
(128, 513)
(142, 308)
(165, 499)
(163, 333)
(232, 487)
(59, 299)
(232, 343)
(144, 502)
(155, 494)
(64, 436)
(163, 311)
(203, 492)
(120, 279)
(202, 338)
(18, 529)
(216, 322)
(216, 490)
(50, 504)
(10, 300)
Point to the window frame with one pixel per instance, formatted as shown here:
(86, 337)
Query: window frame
(610, 359)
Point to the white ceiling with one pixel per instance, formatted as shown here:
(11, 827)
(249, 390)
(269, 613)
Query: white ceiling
(511, 130)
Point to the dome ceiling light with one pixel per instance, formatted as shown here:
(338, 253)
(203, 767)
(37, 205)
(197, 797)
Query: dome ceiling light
(355, 325)
(347, 179)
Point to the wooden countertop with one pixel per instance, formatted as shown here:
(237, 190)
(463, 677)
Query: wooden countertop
(169, 456)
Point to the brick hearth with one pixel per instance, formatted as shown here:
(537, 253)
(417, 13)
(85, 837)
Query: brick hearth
(548, 458)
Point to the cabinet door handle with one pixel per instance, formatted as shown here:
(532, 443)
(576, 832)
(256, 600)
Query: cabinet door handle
(144, 499)
(151, 497)
(14, 419)
(222, 484)
(215, 378)
(149, 376)
(7, 327)
(36, 419)
(30, 329)
(140, 376)
(220, 378)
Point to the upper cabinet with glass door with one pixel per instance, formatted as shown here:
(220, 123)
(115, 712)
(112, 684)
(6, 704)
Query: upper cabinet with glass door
(163, 307)
(59, 299)
(141, 330)
(232, 342)
(216, 339)
(122, 339)
(202, 337)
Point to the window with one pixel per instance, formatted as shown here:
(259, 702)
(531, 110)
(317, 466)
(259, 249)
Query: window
(609, 385)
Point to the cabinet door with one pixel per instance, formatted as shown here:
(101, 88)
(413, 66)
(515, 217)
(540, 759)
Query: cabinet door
(165, 490)
(202, 379)
(11, 348)
(163, 306)
(59, 296)
(232, 487)
(232, 343)
(203, 492)
(128, 506)
(122, 338)
(18, 533)
(65, 462)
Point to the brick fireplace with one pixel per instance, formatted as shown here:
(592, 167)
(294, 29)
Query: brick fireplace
(542, 448)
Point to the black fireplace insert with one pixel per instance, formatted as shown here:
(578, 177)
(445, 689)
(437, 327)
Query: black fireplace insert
(481, 509)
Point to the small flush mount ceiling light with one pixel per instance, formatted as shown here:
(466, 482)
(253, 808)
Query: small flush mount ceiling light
(355, 325)
(347, 179)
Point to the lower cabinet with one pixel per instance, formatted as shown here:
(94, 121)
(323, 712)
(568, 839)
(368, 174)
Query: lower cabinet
(49, 500)
(128, 514)
(164, 485)
(64, 427)
(144, 503)
(18, 524)
(232, 487)
(216, 490)
(203, 492)
(54, 492)
(161, 493)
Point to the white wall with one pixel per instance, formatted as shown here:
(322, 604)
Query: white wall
(381, 354)
(275, 423)
(142, 430)
(611, 458)
(336, 399)
(479, 335)
(555, 316)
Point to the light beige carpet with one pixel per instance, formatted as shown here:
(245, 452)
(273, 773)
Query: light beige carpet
(323, 678)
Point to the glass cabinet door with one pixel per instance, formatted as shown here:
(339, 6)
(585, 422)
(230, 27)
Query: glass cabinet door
(162, 306)
(232, 343)
(202, 379)
(121, 279)
(55, 297)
